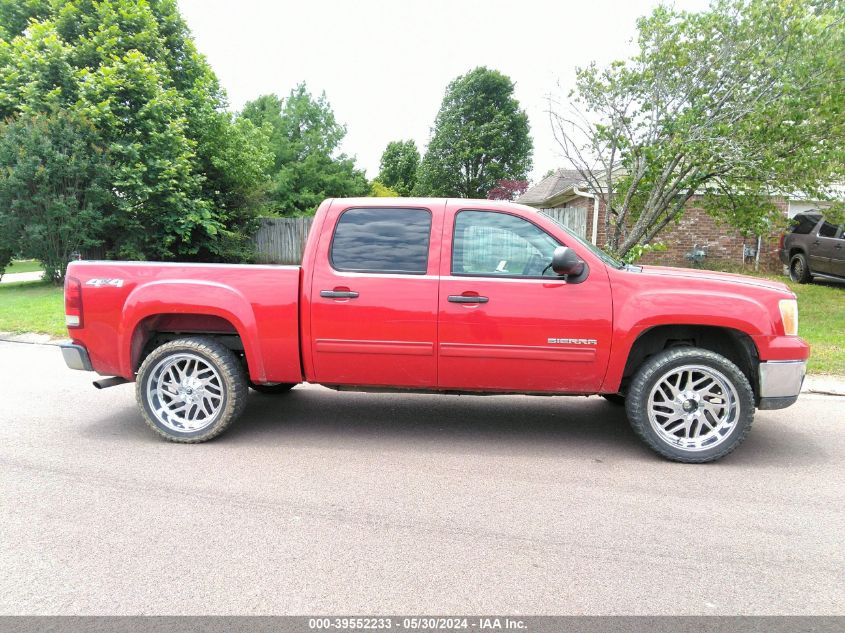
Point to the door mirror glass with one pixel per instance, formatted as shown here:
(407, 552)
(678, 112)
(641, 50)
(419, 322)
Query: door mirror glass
(566, 262)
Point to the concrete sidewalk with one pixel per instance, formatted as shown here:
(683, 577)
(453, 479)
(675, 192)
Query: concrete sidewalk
(11, 278)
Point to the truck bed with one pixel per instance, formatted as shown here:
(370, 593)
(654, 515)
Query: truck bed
(132, 303)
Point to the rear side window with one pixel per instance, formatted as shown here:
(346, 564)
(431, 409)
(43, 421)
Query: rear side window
(805, 223)
(828, 230)
(382, 241)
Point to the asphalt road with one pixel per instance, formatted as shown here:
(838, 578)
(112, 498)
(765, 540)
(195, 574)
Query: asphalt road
(322, 502)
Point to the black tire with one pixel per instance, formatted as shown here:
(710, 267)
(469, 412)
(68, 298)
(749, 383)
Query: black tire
(271, 388)
(229, 376)
(799, 269)
(614, 398)
(657, 369)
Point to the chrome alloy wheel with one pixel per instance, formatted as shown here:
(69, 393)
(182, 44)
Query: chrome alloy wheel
(185, 392)
(693, 407)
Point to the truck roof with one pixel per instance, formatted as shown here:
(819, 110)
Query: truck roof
(481, 204)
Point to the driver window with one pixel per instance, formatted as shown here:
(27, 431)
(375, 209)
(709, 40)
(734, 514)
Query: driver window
(500, 245)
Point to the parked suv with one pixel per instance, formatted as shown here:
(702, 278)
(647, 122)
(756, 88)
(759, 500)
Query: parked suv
(814, 247)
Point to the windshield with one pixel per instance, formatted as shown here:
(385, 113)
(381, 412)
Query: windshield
(607, 259)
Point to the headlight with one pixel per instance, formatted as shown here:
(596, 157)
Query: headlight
(789, 316)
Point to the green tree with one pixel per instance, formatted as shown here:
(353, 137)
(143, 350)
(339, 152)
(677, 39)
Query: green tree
(379, 190)
(304, 139)
(480, 136)
(15, 15)
(10, 238)
(399, 164)
(54, 182)
(738, 103)
(187, 178)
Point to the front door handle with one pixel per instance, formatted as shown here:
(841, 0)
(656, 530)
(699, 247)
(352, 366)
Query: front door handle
(339, 294)
(838, 246)
(467, 299)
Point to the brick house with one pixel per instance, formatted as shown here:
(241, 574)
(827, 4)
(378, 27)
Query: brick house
(564, 195)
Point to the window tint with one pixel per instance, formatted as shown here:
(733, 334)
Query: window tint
(382, 240)
(805, 223)
(828, 230)
(497, 244)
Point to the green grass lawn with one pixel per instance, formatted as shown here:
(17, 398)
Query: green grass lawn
(821, 322)
(38, 307)
(32, 307)
(23, 266)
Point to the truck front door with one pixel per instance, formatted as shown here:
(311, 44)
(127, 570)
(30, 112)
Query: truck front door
(374, 297)
(507, 322)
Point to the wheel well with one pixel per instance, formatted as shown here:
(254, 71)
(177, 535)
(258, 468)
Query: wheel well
(158, 329)
(795, 251)
(734, 345)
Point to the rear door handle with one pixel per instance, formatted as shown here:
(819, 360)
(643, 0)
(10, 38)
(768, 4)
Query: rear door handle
(339, 294)
(467, 299)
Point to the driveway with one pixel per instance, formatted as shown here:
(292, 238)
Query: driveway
(321, 502)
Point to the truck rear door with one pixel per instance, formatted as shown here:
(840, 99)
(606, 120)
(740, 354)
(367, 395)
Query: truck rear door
(374, 296)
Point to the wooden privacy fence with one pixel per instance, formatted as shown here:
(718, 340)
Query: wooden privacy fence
(282, 240)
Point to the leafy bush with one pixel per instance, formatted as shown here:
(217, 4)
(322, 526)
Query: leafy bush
(54, 183)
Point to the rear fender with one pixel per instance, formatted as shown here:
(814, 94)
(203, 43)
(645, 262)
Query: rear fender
(176, 296)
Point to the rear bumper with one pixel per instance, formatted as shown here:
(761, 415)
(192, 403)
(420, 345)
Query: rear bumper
(76, 356)
(780, 383)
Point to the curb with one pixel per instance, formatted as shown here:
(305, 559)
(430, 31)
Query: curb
(31, 338)
(824, 385)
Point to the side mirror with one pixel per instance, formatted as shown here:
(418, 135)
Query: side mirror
(566, 262)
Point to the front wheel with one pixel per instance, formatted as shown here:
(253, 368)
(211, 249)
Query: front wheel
(191, 389)
(690, 405)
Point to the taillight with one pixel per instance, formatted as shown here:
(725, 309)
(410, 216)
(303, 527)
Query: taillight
(73, 302)
(782, 240)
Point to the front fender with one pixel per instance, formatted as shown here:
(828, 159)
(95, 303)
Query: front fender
(646, 309)
(176, 296)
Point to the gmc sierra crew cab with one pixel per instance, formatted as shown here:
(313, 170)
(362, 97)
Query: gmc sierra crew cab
(443, 296)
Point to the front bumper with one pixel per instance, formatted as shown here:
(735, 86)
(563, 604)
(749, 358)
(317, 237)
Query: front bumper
(76, 356)
(780, 383)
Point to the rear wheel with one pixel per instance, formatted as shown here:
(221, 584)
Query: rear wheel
(799, 270)
(271, 387)
(191, 389)
(690, 405)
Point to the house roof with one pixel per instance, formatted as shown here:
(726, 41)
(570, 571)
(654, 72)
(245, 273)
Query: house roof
(550, 186)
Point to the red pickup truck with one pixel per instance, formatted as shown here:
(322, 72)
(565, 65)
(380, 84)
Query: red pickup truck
(443, 296)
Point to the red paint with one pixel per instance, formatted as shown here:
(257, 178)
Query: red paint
(402, 331)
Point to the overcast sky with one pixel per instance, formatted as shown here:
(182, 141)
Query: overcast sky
(385, 64)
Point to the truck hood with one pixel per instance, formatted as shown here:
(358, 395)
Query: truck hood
(708, 275)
